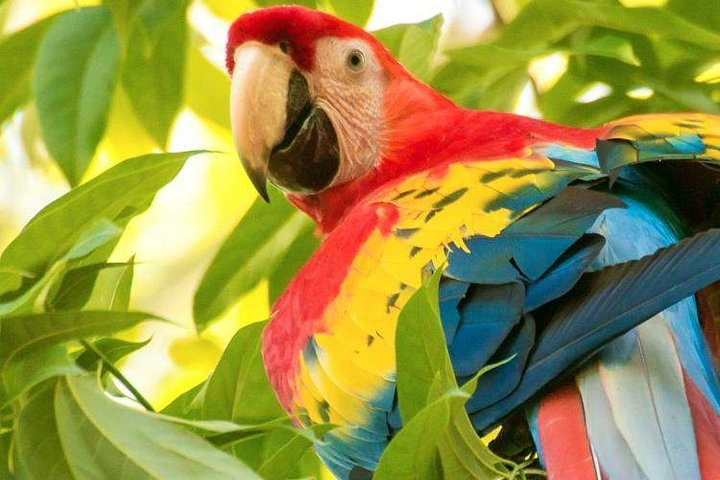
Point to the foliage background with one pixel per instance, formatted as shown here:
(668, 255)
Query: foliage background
(87, 84)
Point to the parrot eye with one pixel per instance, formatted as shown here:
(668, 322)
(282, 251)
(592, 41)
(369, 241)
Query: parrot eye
(355, 60)
(284, 46)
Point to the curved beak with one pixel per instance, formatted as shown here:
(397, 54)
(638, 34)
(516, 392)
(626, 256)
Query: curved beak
(278, 132)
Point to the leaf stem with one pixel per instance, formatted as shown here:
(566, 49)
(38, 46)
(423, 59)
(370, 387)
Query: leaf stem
(117, 374)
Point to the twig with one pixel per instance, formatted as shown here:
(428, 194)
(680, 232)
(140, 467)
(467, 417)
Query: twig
(116, 373)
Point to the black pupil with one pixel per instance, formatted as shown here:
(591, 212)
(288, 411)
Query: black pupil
(355, 59)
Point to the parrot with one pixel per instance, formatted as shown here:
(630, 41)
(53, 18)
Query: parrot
(584, 257)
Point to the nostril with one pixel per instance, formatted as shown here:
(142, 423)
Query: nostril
(284, 46)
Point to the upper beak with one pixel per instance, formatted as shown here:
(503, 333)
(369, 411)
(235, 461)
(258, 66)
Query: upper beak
(278, 131)
(257, 107)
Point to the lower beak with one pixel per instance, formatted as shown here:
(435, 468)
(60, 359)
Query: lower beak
(278, 131)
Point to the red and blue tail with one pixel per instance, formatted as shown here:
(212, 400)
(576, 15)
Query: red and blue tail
(649, 405)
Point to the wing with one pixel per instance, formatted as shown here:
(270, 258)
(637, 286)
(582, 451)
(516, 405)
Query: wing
(515, 242)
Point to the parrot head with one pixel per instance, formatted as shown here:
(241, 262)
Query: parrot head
(316, 103)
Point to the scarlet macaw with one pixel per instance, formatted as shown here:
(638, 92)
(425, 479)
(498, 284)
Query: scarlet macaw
(537, 225)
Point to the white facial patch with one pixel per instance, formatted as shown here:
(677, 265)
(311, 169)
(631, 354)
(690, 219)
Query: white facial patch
(353, 99)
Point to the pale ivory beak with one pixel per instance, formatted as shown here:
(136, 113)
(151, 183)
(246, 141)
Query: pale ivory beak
(258, 100)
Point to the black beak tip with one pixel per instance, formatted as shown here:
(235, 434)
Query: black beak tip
(259, 181)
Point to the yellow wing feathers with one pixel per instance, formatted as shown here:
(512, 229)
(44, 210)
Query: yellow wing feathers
(354, 359)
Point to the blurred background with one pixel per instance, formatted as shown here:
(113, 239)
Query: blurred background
(579, 62)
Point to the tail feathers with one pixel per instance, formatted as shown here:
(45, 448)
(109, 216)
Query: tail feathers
(648, 405)
(562, 435)
(610, 447)
(707, 431)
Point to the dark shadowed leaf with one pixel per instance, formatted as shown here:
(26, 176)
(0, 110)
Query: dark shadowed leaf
(109, 283)
(74, 80)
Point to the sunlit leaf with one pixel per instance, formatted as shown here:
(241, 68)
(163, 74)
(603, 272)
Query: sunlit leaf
(414, 45)
(119, 194)
(208, 93)
(17, 57)
(74, 79)
(229, 10)
(354, 11)
(154, 69)
(251, 252)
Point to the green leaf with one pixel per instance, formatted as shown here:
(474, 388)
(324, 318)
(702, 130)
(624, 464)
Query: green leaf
(74, 80)
(189, 404)
(354, 11)
(24, 335)
(437, 440)
(31, 370)
(251, 252)
(413, 45)
(413, 453)
(122, 15)
(37, 442)
(119, 194)
(31, 299)
(611, 46)
(154, 70)
(544, 21)
(112, 349)
(284, 457)
(296, 255)
(109, 283)
(100, 438)
(422, 358)
(17, 57)
(5, 443)
(238, 389)
(209, 96)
